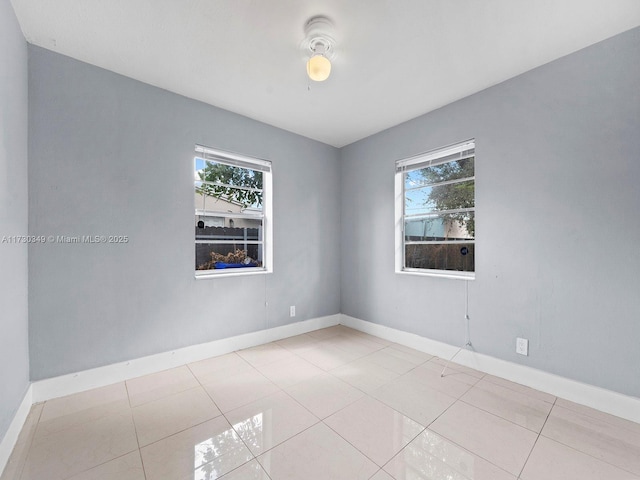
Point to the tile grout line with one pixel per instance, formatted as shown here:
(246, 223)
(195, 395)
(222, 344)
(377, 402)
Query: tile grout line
(135, 429)
(518, 392)
(367, 394)
(222, 414)
(618, 467)
(364, 393)
(144, 471)
(457, 444)
(537, 438)
(33, 437)
(605, 420)
(360, 451)
(403, 448)
(99, 464)
(286, 393)
(322, 420)
(581, 451)
(502, 418)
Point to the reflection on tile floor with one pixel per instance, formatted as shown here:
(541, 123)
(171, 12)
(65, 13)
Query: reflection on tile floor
(329, 405)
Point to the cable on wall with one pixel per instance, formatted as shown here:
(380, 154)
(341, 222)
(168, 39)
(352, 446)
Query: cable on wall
(467, 343)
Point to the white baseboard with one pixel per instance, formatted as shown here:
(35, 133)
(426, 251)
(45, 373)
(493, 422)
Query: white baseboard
(595, 397)
(99, 377)
(601, 399)
(43, 390)
(11, 436)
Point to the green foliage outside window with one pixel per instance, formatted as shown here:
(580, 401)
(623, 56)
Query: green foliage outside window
(225, 178)
(453, 196)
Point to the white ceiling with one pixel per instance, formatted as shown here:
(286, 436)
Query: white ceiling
(396, 59)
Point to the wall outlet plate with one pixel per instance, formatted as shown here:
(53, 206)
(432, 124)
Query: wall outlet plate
(292, 311)
(522, 346)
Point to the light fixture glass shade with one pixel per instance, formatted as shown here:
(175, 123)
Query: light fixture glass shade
(318, 68)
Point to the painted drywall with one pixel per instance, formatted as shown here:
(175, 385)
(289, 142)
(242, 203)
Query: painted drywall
(557, 223)
(113, 156)
(14, 353)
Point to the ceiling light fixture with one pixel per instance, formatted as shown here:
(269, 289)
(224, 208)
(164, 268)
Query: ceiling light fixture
(319, 47)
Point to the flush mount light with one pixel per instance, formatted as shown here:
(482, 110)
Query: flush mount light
(318, 47)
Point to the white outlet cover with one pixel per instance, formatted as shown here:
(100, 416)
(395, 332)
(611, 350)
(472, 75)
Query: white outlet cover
(522, 346)
(292, 311)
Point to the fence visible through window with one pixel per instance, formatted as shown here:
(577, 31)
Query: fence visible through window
(232, 199)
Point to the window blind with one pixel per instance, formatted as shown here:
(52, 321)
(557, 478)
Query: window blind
(459, 151)
(233, 159)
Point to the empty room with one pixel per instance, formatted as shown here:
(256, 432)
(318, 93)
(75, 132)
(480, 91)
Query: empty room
(319, 240)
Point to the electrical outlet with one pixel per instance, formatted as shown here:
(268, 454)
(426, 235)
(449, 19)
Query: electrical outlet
(522, 346)
(292, 311)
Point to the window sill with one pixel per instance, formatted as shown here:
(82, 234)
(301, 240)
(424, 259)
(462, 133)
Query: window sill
(231, 273)
(439, 274)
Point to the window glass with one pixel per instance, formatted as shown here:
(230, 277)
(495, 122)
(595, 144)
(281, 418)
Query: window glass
(231, 195)
(436, 210)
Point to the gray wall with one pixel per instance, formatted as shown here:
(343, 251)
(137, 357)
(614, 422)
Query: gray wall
(557, 220)
(112, 156)
(14, 353)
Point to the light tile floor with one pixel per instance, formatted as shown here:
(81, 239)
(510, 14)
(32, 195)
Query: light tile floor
(332, 404)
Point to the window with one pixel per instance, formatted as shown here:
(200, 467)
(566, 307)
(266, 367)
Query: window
(232, 213)
(435, 212)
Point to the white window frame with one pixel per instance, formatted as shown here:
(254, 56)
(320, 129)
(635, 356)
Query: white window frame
(242, 161)
(434, 157)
